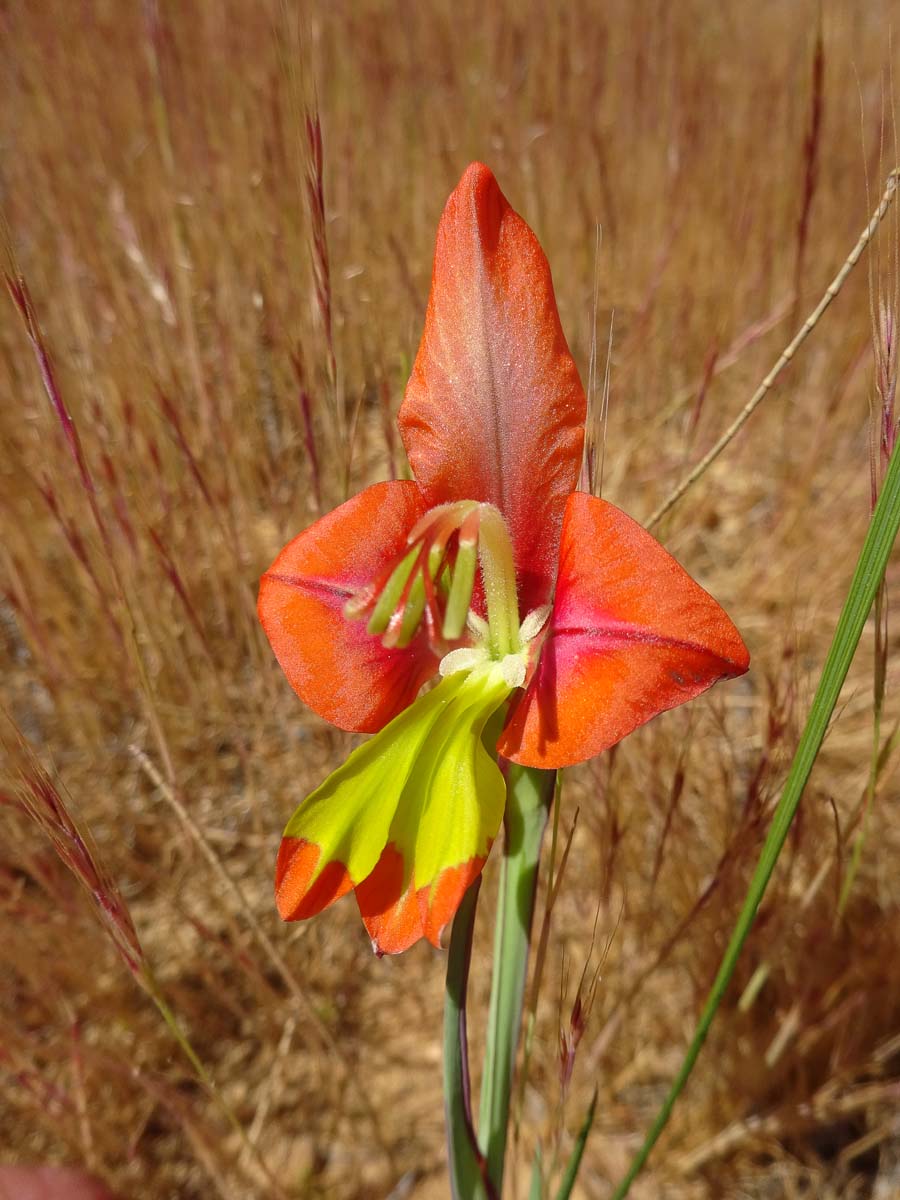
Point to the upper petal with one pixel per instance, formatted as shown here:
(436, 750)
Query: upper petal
(342, 672)
(494, 409)
(631, 635)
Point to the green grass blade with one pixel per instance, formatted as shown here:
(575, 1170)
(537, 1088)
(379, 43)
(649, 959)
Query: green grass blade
(568, 1180)
(462, 1150)
(529, 795)
(867, 577)
(536, 1188)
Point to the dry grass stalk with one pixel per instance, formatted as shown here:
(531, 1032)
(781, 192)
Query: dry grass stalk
(831, 293)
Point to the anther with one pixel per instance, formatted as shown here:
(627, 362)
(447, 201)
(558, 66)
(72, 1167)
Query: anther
(435, 579)
(391, 593)
(405, 622)
(463, 578)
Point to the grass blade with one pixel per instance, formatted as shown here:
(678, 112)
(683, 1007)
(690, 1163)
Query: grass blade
(867, 577)
(568, 1180)
(536, 1187)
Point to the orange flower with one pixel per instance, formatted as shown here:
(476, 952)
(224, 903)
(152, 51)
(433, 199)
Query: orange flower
(581, 621)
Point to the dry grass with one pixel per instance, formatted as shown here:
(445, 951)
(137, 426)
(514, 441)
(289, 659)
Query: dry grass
(230, 352)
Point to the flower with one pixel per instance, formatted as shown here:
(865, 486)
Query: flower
(580, 627)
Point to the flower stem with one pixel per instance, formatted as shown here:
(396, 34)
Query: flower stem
(466, 1163)
(529, 796)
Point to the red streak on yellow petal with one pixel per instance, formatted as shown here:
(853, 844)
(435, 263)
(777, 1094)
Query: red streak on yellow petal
(397, 917)
(295, 868)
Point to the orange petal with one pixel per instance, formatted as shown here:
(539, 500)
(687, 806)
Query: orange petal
(296, 865)
(396, 917)
(494, 410)
(342, 672)
(631, 635)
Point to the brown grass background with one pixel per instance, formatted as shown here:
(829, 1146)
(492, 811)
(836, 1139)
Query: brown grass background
(159, 184)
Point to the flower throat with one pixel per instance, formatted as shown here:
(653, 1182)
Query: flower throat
(435, 580)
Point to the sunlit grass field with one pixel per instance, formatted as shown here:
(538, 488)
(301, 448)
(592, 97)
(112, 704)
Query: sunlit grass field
(224, 214)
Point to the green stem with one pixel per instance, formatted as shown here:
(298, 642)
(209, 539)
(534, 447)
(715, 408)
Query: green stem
(571, 1173)
(867, 578)
(529, 795)
(466, 1164)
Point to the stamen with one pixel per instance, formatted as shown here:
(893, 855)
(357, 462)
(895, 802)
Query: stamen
(356, 607)
(432, 609)
(513, 669)
(463, 659)
(435, 580)
(463, 579)
(412, 615)
(477, 626)
(499, 571)
(534, 622)
(448, 517)
(391, 593)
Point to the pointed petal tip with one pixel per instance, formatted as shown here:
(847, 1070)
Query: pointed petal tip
(480, 183)
(476, 175)
(396, 917)
(301, 889)
(632, 635)
(494, 362)
(740, 657)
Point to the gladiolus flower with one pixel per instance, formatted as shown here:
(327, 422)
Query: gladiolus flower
(578, 628)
